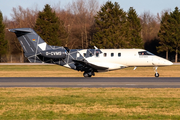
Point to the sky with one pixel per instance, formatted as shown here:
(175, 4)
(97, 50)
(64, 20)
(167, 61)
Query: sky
(141, 6)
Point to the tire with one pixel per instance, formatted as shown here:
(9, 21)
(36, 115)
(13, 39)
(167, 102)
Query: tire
(85, 75)
(156, 75)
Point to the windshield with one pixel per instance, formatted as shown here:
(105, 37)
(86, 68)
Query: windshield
(145, 53)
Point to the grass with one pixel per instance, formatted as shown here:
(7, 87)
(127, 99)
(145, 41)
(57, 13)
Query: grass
(89, 103)
(59, 71)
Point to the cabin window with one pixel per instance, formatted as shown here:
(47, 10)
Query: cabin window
(84, 54)
(97, 54)
(112, 54)
(105, 54)
(119, 54)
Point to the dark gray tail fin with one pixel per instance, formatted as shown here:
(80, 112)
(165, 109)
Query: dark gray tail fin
(31, 43)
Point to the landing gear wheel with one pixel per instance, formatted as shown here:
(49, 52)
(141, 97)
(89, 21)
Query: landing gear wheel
(85, 75)
(88, 74)
(156, 74)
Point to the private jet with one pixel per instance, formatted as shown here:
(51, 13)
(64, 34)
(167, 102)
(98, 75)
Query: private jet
(88, 61)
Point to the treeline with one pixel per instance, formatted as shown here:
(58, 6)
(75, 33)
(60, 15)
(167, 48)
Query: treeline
(169, 34)
(85, 23)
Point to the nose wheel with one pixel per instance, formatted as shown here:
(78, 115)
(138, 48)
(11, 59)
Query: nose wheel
(156, 73)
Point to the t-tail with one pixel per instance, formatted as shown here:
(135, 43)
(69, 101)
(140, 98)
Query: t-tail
(35, 48)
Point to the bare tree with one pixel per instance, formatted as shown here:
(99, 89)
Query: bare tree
(20, 18)
(150, 26)
(78, 18)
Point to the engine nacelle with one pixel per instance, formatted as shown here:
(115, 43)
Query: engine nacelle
(54, 54)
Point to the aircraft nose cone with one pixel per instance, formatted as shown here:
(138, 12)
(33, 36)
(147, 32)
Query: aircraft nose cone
(162, 62)
(168, 62)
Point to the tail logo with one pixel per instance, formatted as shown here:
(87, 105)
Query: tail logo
(33, 39)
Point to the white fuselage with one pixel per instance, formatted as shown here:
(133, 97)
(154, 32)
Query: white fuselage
(121, 58)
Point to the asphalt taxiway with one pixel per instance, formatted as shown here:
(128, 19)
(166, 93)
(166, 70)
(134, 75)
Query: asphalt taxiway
(127, 82)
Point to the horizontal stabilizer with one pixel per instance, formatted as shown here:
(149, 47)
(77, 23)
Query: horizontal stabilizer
(27, 30)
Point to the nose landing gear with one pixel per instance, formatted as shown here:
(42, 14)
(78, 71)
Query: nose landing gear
(156, 73)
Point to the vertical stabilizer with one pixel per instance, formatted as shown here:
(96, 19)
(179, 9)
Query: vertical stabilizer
(31, 43)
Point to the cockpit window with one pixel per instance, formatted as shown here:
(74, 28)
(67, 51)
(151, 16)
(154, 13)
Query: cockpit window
(145, 53)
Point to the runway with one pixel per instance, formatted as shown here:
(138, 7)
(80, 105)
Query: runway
(126, 82)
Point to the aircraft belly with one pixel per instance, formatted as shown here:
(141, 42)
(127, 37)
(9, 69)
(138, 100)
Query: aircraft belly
(111, 65)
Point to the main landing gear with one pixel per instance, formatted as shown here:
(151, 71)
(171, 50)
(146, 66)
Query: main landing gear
(88, 74)
(156, 73)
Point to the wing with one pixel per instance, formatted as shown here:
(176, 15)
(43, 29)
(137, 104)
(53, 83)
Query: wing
(84, 65)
